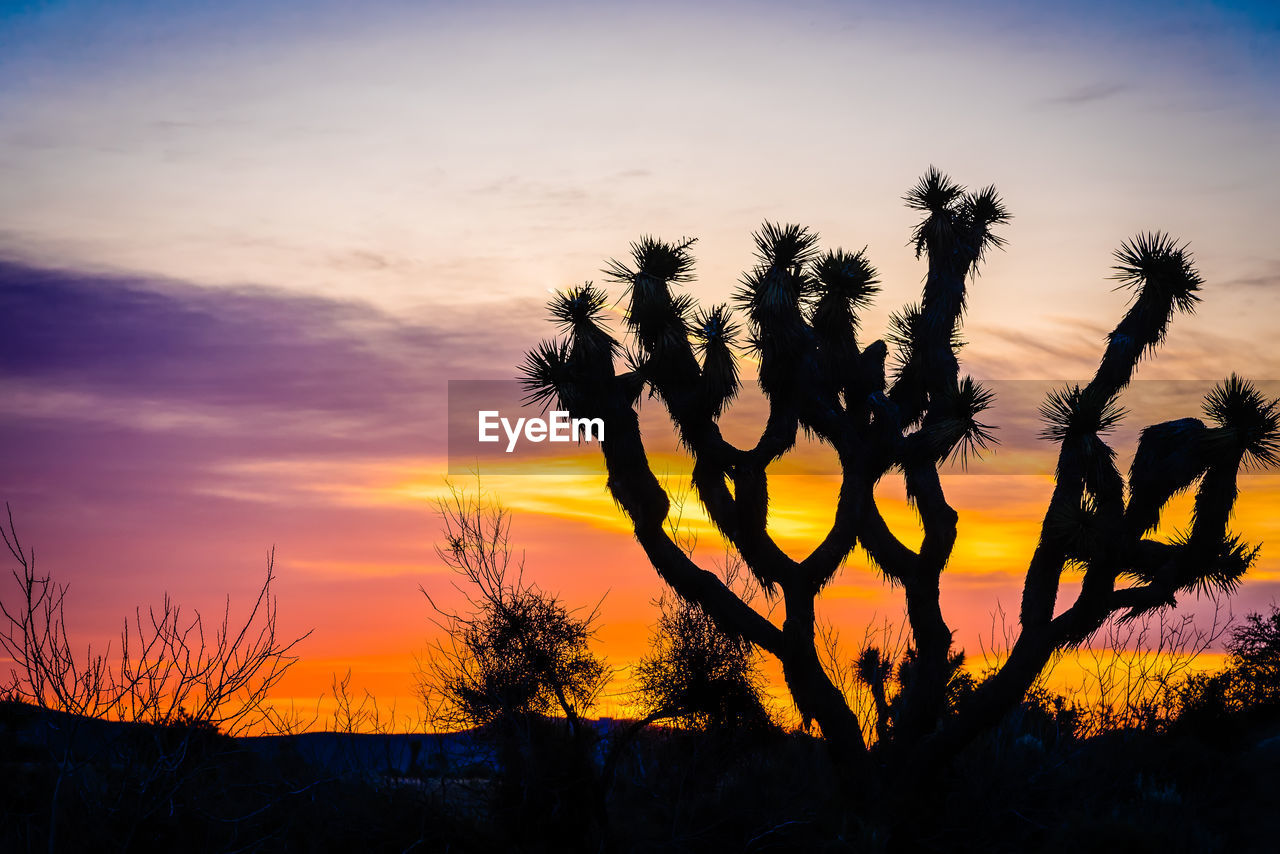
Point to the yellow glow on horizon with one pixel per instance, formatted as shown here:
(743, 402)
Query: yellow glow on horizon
(1000, 517)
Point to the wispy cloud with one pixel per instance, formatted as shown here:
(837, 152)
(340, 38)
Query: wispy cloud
(1266, 275)
(1082, 95)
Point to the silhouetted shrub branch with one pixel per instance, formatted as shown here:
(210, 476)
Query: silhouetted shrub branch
(169, 669)
(514, 650)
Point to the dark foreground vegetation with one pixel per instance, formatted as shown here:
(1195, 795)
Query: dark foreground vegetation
(1203, 783)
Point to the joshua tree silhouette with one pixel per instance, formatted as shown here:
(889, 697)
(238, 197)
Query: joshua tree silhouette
(909, 417)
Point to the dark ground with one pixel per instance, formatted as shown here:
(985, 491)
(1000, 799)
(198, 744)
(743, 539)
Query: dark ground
(91, 785)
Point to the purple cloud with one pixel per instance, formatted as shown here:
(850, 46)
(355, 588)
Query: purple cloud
(241, 360)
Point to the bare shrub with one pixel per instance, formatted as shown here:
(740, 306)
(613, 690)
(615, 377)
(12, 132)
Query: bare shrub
(866, 679)
(1134, 670)
(696, 675)
(515, 650)
(1250, 680)
(354, 713)
(170, 668)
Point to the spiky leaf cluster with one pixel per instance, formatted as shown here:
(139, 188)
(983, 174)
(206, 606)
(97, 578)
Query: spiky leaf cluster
(1079, 528)
(1071, 414)
(657, 260)
(956, 221)
(657, 317)
(785, 247)
(715, 334)
(1249, 423)
(1075, 418)
(1224, 574)
(960, 432)
(1219, 569)
(1164, 281)
(775, 291)
(915, 345)
(546, 376)
(934, 194)
(570, 370)
(872, 667)
(843, 284)
(579, 311)
(1154, 265)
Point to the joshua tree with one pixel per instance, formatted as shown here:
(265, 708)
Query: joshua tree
(907, 416)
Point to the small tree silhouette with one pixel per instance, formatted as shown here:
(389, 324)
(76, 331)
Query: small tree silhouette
(170, 669)
(187, 685)
(698, 676)
(1249, 682)
(511, 664)
(909, 416)
(516, 651)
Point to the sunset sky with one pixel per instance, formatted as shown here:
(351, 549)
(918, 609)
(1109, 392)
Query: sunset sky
(245, 246)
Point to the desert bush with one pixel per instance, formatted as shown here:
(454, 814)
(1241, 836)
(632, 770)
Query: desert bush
(1248, 684)
(516, 664)
(696, 676)
(169, 668)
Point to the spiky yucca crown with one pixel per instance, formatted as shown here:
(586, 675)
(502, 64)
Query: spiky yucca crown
(655, 259)
(546, 375)
(848, 275)
(780, 281)
(910, 336)
(715, 326)
(1220, 571)
(578, 307)
(1164, 281)
(872, 666)
(1225, 570)
(785, 247)
(843, 283)
(955, 218)
(962, 435)
(1250, 423)
(1156, 266)
(579, 312)
(715, 336)
(1075, 413)
(659, 319)
(1079, 526)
